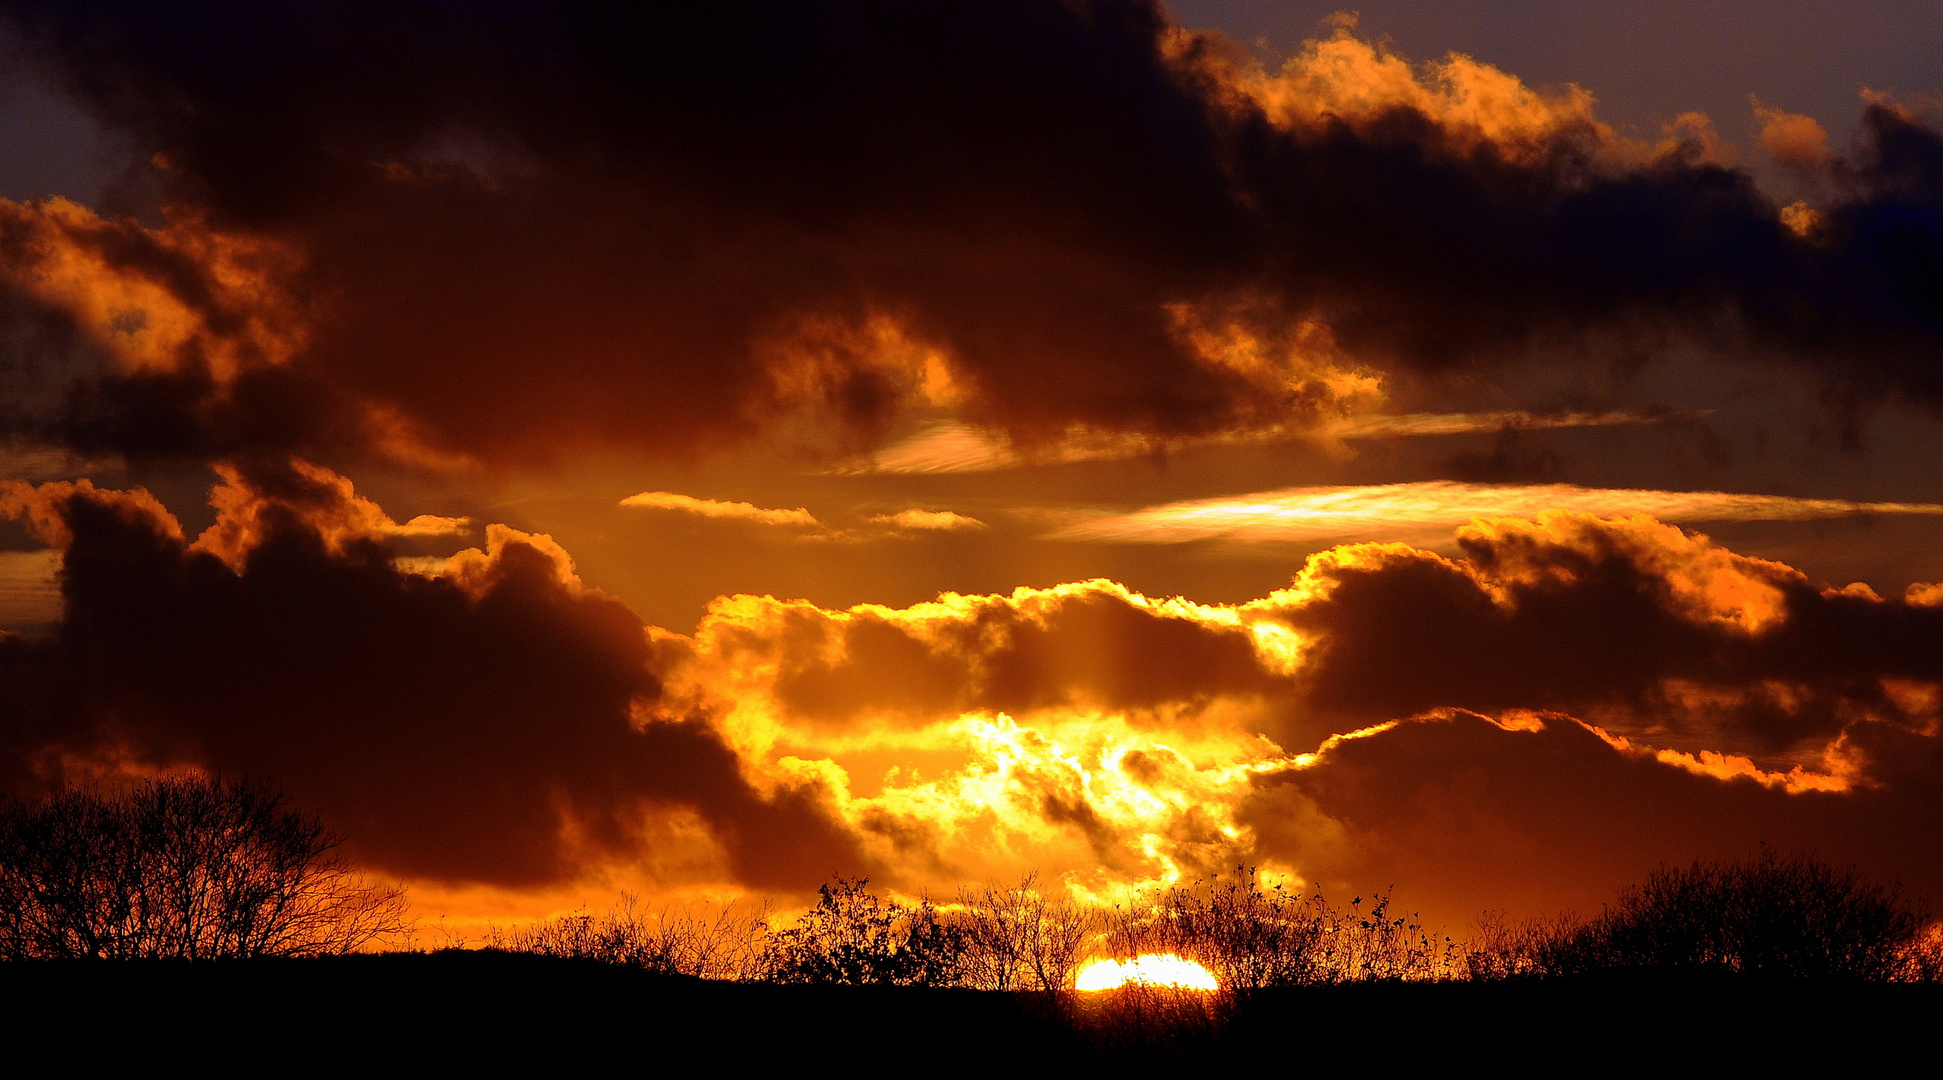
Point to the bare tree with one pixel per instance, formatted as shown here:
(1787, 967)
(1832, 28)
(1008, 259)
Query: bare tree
(187, 868)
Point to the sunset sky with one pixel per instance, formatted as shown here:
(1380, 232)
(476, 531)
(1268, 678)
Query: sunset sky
(1485, 449)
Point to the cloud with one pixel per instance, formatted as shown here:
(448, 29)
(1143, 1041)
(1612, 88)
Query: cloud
(943, 448)
(1462, 813)
(1120, 738)
(930, 520)
(1612, 690)
(954, 447)
(30, 596)
(539, 232)
(1794, 141)
(740, 511)
(498, 722)
(908, 520)
(1436, 507)
(1377, 425)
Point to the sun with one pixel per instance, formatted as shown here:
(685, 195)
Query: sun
(1151, 970)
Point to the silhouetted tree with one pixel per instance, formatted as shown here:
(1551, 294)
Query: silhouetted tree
(188, 868)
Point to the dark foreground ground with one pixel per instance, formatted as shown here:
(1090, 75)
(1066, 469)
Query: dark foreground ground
(433, 1012)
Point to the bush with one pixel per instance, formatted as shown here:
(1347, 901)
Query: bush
(1019, 938)
(186, 868)
(853, 938)
(1246, 936)
(724, 943)
(1793, 917)
(1250, 937)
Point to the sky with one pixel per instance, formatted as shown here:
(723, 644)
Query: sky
(1485, 450)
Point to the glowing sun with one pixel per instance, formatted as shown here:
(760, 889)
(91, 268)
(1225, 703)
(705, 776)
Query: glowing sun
(1151, 970)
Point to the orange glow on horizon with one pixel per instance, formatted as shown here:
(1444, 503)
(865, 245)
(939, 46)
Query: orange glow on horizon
(1163, 969)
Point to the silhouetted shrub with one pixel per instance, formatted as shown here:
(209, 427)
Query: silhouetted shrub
(1792, 916)
(1503, 948)
(726, 942)
(1248, 937)
(1021, 938)
(180, 868)
(854, 938)
(1251, 937)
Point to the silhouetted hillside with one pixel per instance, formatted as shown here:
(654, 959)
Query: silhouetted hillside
(506, 1010)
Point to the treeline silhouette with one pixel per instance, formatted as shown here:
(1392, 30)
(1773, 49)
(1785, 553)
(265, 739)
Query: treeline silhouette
(1771, 915)
(185, 868)
(1767, 915)
(1012, 938)
(196, 868)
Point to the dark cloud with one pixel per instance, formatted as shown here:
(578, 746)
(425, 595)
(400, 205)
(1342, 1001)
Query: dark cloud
(527, 228)
(499, 724)
(1469, 816)
(1516, 455)
(1632, 622)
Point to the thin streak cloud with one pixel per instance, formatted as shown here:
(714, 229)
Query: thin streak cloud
(1312, 513)
(934, 520)
(954, 447)
(715, 508)
(1380, 426)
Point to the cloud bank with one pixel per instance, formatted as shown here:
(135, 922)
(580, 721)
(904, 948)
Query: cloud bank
(1611, 691)
(446, 233)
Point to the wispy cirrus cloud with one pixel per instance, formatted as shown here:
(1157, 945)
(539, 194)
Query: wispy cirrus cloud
(1385, 510)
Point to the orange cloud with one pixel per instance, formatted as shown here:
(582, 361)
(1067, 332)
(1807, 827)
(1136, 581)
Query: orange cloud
(953, 446)
(1122, 739)
(1416, 509)
(1343, 77)
(250, 505)
(155, 300)
(930, 520)
(1794, 141)
(739, 511)
(497, 721)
